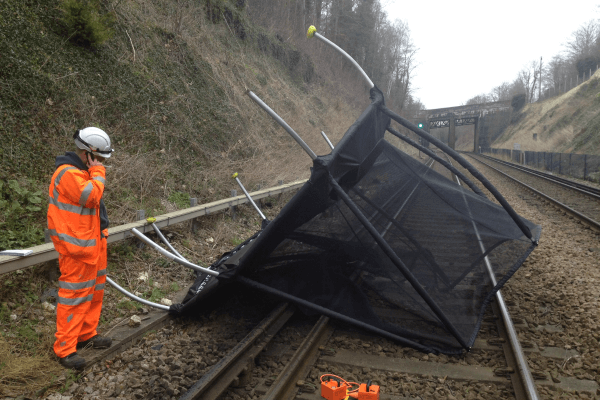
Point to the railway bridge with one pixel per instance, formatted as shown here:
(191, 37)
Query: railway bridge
(452, 117)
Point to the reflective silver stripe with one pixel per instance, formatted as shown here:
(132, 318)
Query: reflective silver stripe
(102, 272)
(62, 344)
(74, 301)
(86, 193)
(73, 240)
(70, 207)
(100, 179)
(60, 174)
(99, 287)
(76, 285)
(66, 206)
(69, 318)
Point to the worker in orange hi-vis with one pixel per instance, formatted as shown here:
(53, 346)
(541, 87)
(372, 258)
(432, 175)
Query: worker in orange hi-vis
(78, 226)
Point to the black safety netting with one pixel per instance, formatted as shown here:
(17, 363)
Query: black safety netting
(378, 239)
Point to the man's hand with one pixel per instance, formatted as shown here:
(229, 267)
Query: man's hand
(91, 162)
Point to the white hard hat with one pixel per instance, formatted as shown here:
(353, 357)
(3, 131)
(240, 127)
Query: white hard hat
(94, 140)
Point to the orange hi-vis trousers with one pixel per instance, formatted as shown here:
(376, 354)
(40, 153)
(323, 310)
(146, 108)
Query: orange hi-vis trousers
(80, 294)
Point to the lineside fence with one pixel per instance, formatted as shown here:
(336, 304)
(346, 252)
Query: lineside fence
(45, 252)
(581, 166)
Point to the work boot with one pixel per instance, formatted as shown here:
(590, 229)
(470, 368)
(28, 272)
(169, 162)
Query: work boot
(96, 342)
(73, 360)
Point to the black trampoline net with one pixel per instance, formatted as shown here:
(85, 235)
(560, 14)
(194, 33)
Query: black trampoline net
(381, 240)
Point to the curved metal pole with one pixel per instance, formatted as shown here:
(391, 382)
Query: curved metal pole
(172, 256)
(136, 298)
(235, 176)
(312, 31)
(283, 124)
(166, 242)
(464, 163)
(327, 140)
(432, 154)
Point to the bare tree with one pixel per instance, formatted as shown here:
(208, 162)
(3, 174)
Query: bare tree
(501, 92)
(479, 99)
(584, 41)
(530, 78)
(555, 72)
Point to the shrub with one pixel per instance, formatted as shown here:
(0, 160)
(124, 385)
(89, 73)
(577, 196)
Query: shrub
(17, 202)
(84, 24)
(518, 101)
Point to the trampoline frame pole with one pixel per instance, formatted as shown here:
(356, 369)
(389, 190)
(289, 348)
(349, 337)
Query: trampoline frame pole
(166, 242)
(464, 163)
(327, 140)
(136, 298)
(235, 176)
(329, 313)
(385, 247)
(283, 124)
(172, 256)
(437, 158)
(312, 31)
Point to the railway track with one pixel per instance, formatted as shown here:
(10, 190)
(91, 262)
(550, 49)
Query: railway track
(579, 200)
(236, 349)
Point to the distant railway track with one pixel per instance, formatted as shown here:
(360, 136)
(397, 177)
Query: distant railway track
(579, 200)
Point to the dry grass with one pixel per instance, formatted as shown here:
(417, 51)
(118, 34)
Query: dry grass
(19, 370)
(263, 153)
(559, 122)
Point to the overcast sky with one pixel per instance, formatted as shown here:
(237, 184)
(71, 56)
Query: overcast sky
(469, 47)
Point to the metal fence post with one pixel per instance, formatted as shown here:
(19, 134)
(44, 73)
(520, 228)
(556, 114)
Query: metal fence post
(140, 215)
(560, 163)
(50, 269)
(194, 203)
(260, 202)
(233, 209)
(279, 183)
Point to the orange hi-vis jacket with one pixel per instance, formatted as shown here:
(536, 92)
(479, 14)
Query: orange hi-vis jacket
(74, 211)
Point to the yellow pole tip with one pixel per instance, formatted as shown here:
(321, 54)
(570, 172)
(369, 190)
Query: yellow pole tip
(235, 175)
(151, 220)
(311, 31)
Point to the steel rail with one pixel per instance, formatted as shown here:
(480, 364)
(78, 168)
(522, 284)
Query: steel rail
(240, 359)
(592, 223)
(587, 190)
(284, 388)
(529, 390)
(45, 252)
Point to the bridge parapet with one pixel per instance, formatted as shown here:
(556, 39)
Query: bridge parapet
(473, 110)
